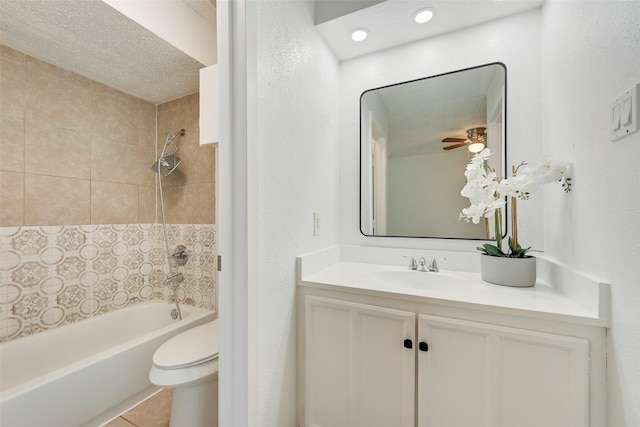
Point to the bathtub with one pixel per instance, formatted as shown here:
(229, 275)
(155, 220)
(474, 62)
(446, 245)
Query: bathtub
(85, 373)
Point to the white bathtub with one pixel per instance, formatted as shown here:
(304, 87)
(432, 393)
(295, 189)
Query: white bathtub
(85, 373)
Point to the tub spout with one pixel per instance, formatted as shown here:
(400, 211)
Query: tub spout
(176, 278)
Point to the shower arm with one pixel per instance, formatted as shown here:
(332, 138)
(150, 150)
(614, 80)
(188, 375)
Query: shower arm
(171, 139)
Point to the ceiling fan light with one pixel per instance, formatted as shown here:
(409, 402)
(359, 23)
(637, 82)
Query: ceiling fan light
(476, 147)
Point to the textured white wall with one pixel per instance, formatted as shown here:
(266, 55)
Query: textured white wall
(582, 56)
(297, 133)
(591, 55)
(515, 41)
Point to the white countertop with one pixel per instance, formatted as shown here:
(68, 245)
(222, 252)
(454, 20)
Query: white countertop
(455, 288)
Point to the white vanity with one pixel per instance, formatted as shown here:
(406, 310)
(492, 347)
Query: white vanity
(383, 346)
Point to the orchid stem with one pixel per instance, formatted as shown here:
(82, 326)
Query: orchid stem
(498, 227)
(514, 218)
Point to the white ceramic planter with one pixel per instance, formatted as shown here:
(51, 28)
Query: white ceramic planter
(516, 272)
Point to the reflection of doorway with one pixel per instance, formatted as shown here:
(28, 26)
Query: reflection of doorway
(379, 180)
(495, 142)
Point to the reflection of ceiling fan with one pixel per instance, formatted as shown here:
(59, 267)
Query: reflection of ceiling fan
(475, 141)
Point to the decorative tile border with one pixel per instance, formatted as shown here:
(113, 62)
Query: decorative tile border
(53, 276)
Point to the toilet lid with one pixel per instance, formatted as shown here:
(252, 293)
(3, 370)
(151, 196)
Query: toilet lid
(191, 347)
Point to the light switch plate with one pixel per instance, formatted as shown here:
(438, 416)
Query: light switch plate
(625, 113)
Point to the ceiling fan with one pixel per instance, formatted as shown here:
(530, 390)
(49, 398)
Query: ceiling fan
(475, 141)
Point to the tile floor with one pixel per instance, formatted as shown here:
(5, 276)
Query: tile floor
(153, 412)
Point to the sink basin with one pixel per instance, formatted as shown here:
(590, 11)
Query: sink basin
(421, 279)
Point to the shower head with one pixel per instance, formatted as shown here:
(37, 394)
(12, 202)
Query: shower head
(166, 164)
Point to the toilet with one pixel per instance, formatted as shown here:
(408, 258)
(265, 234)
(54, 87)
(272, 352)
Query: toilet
(188, 364)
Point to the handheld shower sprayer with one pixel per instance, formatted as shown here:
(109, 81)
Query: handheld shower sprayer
(168, 162)
(164, 166)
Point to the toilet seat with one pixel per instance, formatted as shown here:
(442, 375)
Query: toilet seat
(193, 347)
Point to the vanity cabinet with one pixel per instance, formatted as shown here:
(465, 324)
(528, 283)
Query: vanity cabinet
(371, 365)
(359, 365)
(477, 374)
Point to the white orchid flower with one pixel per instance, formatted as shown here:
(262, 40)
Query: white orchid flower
(520, 186)
(485, 191)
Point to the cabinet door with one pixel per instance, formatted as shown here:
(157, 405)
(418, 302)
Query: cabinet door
(476, 374)
(358, 369)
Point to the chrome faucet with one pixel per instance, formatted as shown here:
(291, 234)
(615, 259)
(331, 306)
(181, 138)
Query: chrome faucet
(412, 262)
(433, 265)
(421, 264)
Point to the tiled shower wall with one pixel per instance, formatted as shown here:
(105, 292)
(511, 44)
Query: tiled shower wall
(189, 192)
(74, 151)
(56, 275)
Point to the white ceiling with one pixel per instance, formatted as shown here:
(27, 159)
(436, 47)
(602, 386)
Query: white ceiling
(90, 38)
(390, 23)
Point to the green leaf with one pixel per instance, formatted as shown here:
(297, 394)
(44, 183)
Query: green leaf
(493, 250)
(511, 243)
(519, 253)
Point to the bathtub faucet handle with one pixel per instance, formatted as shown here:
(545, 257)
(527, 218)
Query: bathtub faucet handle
(180, 255)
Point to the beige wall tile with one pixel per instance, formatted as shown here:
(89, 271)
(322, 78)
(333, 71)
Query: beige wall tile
(205, 164)
(146, 175)
(56, 201)
(11, 54)
(57, 152)
(113, 203)
(197, 167)
(175, 204)
(11, 199)
(56, 97)
(114, 115)
(147, 143)
(114, 161)
(182, 113)
(12, 144)
(12, 88)
(146, 204)
(172, 105)
(40, 66)
(170, 122)
(201, 204)
(62, 125)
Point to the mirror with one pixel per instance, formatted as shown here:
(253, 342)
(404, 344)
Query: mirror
(415, 141)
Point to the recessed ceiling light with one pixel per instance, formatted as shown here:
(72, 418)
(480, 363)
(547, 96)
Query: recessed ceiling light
(423, 15)
(359, 34)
